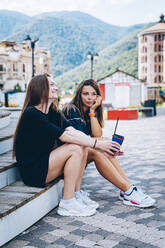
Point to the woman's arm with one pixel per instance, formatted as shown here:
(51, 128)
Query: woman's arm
(95, 125)
(74, 136)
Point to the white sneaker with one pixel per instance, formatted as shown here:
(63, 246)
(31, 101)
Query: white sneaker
(149, 198)
(75, 208)
(83, 197)
(122, 193)
(138, 199)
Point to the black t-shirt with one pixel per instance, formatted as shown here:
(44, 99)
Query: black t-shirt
(37, 134)
(75, 119)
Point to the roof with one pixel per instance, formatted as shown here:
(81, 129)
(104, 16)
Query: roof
(117, 70)
(9, 43)
(158, 27)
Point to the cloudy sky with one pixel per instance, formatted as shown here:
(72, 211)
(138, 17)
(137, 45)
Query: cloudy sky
(117, 12)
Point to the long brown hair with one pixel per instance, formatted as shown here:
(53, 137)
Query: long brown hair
(77, 101)
(37, 93)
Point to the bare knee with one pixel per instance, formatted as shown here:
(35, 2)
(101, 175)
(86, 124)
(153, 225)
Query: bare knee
(79, 150)
(92, 153)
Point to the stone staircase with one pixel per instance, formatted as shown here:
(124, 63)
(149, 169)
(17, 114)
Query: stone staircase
(20, 205)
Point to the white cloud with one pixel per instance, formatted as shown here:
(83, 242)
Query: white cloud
(117, 12)
(117, 2)
(32, 7)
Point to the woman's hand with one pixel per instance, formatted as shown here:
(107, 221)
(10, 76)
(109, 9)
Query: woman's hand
(107, 145)
(96, 104)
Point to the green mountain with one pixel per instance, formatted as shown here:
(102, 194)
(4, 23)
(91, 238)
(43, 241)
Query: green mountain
(122, 55)
(69, 35)
(11, 22)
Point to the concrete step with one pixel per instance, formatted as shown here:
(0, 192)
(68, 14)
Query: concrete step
(4, 118)
(9, 172)
(21, 206)
(6, 136)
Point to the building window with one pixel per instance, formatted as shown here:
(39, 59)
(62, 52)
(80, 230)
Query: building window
(159, 37)
(14, 67)
(144, 49)
(155, 48)
(159, 68)
(160, 48)
(155, 68)
(155, 58)
(23, 68)
(160, 58)
(145, 39)
(160, 78)
(1, 67)
(155, 38)
(145, 58)
(155, 80)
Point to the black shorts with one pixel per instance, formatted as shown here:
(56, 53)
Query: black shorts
(35, 174)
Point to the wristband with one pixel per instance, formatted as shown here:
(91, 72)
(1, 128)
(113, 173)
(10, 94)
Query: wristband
(95, 143)
(91, 114)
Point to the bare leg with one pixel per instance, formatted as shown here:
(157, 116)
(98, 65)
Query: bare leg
(67, 159)
(107, 169)
(83, 164)
(116, 164)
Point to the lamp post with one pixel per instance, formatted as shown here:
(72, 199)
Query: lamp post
(92, 56)
(32, 44)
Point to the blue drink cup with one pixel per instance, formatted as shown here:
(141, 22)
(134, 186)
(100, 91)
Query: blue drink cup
(117, 138)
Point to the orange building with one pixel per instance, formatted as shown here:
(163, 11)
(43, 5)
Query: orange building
(151, 65)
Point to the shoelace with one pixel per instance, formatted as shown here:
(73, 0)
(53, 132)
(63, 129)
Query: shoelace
(84, 193)
(142, 195)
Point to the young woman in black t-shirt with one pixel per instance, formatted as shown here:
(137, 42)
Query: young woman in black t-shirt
(41, 125)
(85, 113)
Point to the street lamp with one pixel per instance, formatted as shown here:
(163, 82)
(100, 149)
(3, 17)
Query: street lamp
(32, 43)
(92, 56)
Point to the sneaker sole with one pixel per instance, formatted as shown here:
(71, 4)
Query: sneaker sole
(121, 198)
(63, 212)
(129, 203)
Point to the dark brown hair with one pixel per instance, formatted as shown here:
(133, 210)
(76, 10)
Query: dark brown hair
(77, 101)
(37, 93)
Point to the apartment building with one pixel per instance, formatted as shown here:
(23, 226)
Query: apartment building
(151, 57)
(16, 63)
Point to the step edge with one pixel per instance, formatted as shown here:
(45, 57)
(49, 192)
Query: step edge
(5, 226)
(8, 167)
(6, 137)
(7, 212)
(5, 115)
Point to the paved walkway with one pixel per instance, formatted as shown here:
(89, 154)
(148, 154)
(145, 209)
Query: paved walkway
(114, 225)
